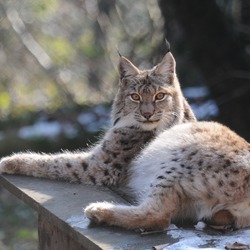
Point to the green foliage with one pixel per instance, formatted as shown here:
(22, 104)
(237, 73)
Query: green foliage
(88, 47)
(43, 9)
(4, 100)
(26, 234)
(59, 49)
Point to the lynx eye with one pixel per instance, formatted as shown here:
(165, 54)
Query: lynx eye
(135, 97)
(160, 96)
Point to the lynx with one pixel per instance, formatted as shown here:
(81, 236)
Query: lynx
(173, 166)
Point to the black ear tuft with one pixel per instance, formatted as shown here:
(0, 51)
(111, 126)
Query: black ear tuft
(118, 52)
(168, 45)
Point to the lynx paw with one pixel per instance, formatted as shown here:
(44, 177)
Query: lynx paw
(99, 212)
(8, 165)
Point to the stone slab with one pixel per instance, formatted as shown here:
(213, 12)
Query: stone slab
(60, 204)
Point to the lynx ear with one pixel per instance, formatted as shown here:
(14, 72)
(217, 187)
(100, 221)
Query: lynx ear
(166, 67)
(127, 68)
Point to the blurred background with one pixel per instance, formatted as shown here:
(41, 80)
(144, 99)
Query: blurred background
(58, 73)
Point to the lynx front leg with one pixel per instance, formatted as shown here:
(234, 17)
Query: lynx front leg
(151, 214)
(65, 166)
(26, 164)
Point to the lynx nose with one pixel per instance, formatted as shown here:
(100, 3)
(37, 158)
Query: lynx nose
(147, 115)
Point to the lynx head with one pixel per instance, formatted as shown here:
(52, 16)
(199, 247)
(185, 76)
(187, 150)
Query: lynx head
(149, 99)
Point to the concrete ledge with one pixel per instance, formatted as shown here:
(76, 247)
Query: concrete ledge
(61, 223)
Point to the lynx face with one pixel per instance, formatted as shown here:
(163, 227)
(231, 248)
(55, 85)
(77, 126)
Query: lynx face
(149, 99)
(147, 102)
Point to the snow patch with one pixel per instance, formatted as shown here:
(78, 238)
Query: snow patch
(200, 225)
(192, 239)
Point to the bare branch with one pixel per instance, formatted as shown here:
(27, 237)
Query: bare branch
(34, 47)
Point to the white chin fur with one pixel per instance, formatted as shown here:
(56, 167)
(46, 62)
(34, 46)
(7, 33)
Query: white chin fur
(130, 121)
(126, 122)
(148, 126)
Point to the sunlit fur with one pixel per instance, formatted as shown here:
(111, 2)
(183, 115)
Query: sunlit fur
(175, 167)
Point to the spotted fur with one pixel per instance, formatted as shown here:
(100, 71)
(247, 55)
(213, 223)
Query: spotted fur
(198, 171)
(175, 167)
